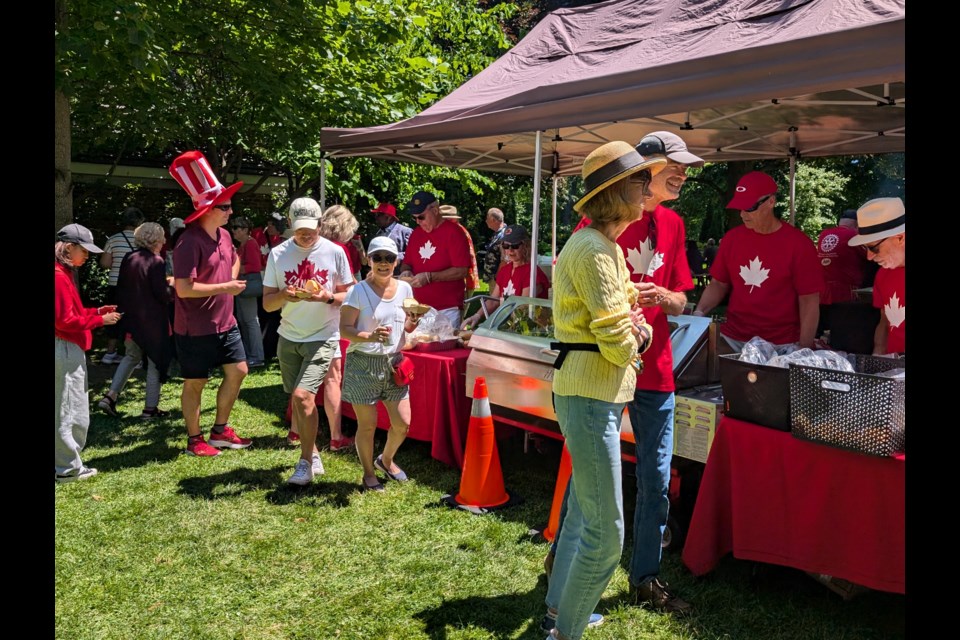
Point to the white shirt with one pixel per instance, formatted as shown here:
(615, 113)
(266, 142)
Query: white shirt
(375, 311)
(291, 264)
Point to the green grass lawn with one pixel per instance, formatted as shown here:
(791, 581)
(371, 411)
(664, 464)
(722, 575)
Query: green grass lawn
(164, 545)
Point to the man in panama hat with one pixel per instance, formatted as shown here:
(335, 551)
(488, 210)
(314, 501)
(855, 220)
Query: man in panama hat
(882, 226)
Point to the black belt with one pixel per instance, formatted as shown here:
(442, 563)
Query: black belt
(566, 347)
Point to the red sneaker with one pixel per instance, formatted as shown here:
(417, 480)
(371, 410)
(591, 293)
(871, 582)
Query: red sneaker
(200, 448)
(341, 443)
(228, 439)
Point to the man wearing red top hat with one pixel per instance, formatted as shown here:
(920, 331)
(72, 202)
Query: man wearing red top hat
(385, 215)
(205, 270)
(769, 268)
(883, 232)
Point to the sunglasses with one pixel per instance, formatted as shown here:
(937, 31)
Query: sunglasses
(650, 146)
(419, 216)
(509, 247)
(757, 205)
(223, 207)
(382, 257)
(875, 247)
(640, 177)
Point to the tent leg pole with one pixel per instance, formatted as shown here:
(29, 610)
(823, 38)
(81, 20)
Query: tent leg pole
(793, 190)
(535, 235)
(553, 234)
(323, 184)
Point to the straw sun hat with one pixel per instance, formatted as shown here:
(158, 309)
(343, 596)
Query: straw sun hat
(611, 162)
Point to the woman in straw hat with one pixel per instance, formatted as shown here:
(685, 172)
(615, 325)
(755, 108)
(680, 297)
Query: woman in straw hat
(601, 332)
(72, 329)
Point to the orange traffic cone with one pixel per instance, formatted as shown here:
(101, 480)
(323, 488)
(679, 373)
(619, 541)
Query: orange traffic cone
(563, 478)
(481, 483)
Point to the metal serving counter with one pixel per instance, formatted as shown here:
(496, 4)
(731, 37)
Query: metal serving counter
(511, 349)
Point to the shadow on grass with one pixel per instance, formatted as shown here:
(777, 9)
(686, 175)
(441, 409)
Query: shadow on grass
(500, 615)
(238, 481)
(148, 439)
(334, 493)
(231, 483)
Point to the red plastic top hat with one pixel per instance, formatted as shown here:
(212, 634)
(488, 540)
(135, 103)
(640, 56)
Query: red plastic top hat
(192, 171)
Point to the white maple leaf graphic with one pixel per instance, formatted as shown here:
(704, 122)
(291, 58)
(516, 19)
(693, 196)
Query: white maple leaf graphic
(895, 313)
(755, 274)
(427, 250)
(645, 261)
(508, 290)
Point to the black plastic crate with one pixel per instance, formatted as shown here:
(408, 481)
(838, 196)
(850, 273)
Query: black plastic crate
(854, 411)
(756, 393)
(852, 325)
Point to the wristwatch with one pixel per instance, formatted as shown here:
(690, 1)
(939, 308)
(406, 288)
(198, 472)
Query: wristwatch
(330, 300)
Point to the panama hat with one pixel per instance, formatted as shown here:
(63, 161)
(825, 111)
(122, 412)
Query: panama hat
(192, 172)
(449, 212)
(611, 162)
(878, 219)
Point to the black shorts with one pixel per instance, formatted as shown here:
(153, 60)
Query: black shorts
(199, 354)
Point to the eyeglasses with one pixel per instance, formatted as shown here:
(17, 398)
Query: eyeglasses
(223, 207)
(419, 216)
(382, 257)
(875, 247)
(510, 247)
(651, 146)
(757, 205)
(640, 177)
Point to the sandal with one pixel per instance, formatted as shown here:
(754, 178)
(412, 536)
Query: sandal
(371, 487)
(156, 412)
(399, 476)
(109, 406)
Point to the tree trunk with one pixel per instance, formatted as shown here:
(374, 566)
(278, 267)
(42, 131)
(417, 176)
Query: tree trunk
(63, 182)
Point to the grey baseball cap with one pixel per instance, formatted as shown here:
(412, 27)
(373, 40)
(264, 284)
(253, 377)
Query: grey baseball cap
(78, 234)
(665, 143)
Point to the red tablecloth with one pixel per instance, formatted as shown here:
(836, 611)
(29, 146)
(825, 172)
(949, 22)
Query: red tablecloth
(439, 406)
(769, 497)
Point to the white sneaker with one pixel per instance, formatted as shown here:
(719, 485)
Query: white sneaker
(111, 358)
(302, 474)
(317, 466)
(83, 474)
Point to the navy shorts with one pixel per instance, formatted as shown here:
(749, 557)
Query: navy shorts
(199, 354)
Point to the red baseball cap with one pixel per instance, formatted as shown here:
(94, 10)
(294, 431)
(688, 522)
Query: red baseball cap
(750, 189)
(387, 208)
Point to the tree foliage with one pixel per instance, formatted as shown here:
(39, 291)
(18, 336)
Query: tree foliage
(251, 82)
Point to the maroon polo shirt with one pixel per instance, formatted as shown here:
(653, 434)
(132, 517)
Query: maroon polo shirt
(209, 261)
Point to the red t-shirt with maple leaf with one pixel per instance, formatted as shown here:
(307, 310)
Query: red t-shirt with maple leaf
(291, 264)
(666, 266)
(842, 264)
(766, 274)
(513, 280)
(444, 247)
(889, 296)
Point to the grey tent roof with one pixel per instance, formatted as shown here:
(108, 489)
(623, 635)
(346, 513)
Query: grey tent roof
(737, 79)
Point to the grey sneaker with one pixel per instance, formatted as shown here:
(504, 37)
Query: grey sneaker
(317, 465)
(83, 474)
(302, 474)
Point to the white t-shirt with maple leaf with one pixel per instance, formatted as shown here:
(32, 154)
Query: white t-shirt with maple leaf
(291, 264)
(767, 273)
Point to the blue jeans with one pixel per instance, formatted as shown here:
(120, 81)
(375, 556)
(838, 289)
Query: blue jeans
(651, 414)
(591, 541)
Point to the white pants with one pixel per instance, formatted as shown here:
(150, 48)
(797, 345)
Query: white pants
(71, 406)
